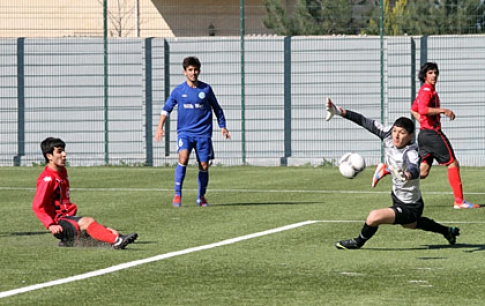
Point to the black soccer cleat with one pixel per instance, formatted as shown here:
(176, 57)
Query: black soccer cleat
(451, 235)
(347, 244)
(123, 240)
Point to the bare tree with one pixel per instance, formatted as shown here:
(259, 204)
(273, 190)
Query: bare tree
(120, 15)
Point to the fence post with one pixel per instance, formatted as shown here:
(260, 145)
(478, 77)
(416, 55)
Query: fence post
(423, 58)
(166, 57)
(20, 102)
(242, 31)
(287, 100)
(148, 102)
(412, 76)
(105, 81)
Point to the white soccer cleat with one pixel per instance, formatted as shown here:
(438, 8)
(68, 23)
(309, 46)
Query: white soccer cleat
(332, 109)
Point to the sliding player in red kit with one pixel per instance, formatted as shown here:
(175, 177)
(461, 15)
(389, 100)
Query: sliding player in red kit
(54, 209)
(433, 143)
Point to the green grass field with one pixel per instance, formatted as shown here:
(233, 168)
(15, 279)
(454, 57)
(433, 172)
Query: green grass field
(290, 266)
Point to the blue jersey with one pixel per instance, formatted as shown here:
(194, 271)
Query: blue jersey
(195, 106)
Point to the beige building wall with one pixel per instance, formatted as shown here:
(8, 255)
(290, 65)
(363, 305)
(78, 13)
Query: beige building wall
(209, 17)
(134, 18)
(74, 18)
(126, 18)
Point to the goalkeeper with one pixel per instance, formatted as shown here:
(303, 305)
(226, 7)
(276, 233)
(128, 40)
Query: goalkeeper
(402, 160)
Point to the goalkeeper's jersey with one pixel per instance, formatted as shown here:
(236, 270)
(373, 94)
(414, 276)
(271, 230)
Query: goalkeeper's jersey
(406, 158)
(195, 106)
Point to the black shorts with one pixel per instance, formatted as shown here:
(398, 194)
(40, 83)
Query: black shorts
(70, 230)
(406, 213)
(435, 146)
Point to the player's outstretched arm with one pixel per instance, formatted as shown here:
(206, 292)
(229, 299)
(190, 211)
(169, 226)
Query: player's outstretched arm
(333, 109)
(371, 125)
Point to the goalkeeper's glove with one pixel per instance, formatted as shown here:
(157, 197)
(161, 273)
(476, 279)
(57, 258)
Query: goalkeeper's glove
(332, 109)
(398, 173)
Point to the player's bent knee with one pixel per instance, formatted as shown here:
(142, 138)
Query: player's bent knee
(84, 222)
(373, 218)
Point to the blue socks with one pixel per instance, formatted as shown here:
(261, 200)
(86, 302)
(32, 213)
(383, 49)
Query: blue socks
(180, 171)
(203, 180)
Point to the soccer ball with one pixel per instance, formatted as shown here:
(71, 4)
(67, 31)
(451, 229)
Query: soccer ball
(351, 164)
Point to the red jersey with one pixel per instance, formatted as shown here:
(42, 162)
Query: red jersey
(51, 201)
(427, 97)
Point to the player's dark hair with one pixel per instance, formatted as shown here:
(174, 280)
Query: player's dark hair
(425, 68)
(405, 123)
(49, 144)
(191, 61)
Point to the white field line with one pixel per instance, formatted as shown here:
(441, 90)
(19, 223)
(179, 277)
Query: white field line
(243, 190)
(182, 252)
(150, 259)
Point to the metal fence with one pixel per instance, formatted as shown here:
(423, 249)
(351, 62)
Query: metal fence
(56, 87)
(96, 73)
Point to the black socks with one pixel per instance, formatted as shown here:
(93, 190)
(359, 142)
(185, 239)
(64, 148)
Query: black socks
(430, 225)
(365, 234)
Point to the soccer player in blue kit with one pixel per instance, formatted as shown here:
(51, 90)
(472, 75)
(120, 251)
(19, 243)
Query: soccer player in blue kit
(196, 101)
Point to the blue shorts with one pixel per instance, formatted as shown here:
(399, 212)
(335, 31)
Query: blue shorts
(201, 144)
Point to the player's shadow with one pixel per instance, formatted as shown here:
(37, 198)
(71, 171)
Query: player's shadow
(83, 242)
(88, 242)
(268, 203)
(473, 247)
(9, 234)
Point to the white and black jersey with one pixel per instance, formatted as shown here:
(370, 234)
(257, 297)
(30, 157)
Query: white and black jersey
(407, 158)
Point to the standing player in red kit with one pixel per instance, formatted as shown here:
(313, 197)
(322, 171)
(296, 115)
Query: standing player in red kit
(54, 209)
(433, 143)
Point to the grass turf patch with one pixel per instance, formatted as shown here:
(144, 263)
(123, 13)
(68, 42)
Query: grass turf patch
(295, 267)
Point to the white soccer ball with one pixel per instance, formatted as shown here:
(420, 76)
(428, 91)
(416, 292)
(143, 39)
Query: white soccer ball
(351, 164)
